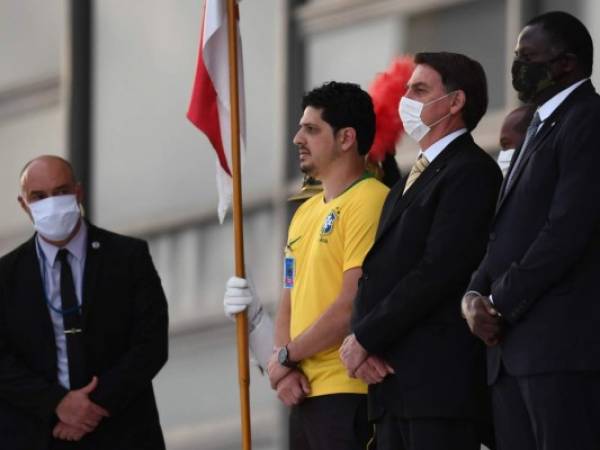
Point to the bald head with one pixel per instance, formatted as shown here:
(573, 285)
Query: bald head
(515, 126)
(46, 164)
(47, 176)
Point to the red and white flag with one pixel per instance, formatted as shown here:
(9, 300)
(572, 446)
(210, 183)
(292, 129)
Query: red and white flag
(209, 106)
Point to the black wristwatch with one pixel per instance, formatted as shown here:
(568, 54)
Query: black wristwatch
(284, 358)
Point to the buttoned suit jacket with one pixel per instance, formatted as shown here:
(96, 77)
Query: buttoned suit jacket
(407, 308)
(125, 322)
(543, 258)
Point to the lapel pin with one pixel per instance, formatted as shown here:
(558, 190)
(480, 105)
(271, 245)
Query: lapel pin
(95, 245)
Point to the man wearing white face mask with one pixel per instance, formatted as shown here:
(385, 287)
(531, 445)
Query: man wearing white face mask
(83, 327)
(432, 234)
(512, 134)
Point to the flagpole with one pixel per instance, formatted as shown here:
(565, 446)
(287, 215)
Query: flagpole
(238, 229)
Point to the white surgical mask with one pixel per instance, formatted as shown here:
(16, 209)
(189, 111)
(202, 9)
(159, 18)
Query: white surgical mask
(410, 114)
(504, 159)
(55, 217)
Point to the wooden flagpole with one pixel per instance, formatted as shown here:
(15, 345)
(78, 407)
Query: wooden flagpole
(238, 227)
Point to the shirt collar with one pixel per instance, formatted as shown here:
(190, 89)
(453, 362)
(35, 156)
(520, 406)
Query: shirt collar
(437, 147)
(76, 246)
(550, 106)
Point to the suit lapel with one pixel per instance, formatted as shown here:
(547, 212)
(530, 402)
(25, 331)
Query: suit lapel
(93, 262)
(393, 198)
(535, 145)
(35, 293)
(399, 205)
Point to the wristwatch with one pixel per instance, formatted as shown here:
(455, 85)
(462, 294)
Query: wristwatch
(284, 358)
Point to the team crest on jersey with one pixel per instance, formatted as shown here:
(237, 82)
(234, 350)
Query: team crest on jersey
(329, 223)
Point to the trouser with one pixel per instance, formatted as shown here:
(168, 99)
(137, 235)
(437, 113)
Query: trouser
(394, 433)
(57, 444)
(330, 422)
(555, 411)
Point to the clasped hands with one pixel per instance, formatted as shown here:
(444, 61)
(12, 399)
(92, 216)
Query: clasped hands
(483, 319)
(77, 414)
(369, 368)
(291, 384)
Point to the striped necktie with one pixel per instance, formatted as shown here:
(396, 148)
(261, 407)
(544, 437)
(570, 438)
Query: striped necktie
(417, 169)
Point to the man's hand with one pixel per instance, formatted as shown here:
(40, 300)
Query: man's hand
(67, 432)
(352, 354)
(275, 370)
(76, 409)
(293, 388)
(482, 318)
(373, 370)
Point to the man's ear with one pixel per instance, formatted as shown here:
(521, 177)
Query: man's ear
(79, 193)
(458, 102)
(347, 138)
(568, 64)
(24, 206)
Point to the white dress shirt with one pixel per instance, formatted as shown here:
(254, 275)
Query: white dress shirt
(550, 106)
(438, 146)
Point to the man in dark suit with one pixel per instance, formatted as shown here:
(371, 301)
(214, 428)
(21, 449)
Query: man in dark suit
(534, 297)
(83, 328)
(431, 236)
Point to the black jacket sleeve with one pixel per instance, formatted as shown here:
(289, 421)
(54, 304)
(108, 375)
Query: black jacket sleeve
(19, 385)
(148, 347)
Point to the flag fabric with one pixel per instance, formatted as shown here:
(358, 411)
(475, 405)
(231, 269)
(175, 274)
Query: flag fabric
(209, 108)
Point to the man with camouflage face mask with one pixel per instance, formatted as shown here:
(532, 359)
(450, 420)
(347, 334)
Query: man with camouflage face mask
(534, 298)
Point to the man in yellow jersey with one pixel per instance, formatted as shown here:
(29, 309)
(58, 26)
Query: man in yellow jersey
(328, 238)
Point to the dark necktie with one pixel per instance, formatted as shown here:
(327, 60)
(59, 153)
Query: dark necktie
(531, 131)
(72, 323)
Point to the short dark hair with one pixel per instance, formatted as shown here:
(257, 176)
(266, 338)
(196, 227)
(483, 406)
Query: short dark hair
(459, 72)
(567, 32)
(345, 105)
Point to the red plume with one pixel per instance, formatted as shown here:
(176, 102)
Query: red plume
(386, 91)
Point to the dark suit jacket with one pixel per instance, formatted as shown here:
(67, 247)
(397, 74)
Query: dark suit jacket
(125, 331)
(407, 308)
(543, 258)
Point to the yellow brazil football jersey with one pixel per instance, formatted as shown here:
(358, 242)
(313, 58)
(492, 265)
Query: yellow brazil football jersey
(324, 240)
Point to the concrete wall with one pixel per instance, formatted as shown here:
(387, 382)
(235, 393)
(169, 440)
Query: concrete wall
(147, 154)
(32, 112)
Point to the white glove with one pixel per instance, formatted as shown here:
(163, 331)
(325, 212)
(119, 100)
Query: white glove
(239, 295)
